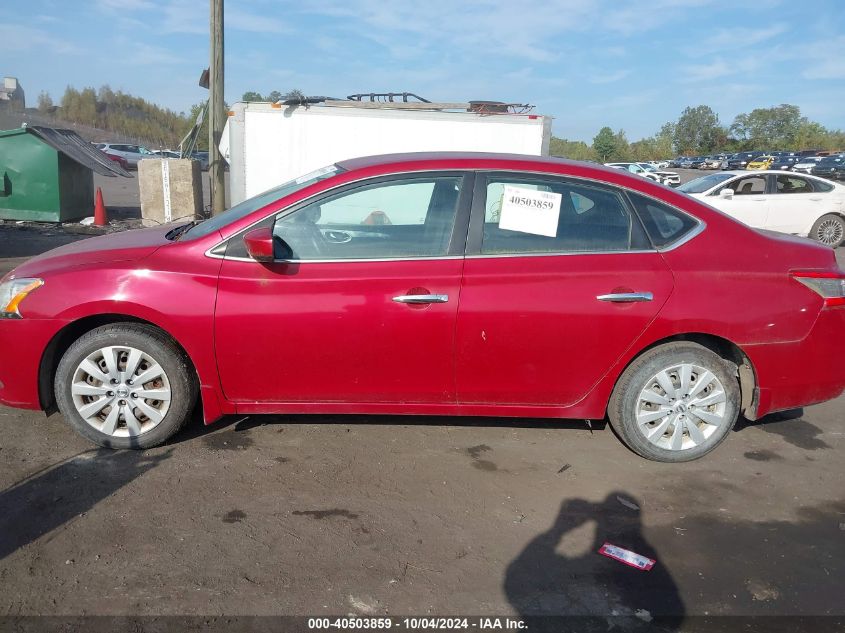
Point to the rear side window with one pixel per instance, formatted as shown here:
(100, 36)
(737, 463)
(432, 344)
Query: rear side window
(793, 184)
(664, 224)
(540, 215)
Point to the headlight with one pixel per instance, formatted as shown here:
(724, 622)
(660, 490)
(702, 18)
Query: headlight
(12, 292)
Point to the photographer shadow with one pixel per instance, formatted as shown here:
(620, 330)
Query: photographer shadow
(593, 591)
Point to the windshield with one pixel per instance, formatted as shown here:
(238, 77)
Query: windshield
(261, 200)
(647, 167)
(702, 184)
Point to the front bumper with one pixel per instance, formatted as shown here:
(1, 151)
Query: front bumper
(22, 346)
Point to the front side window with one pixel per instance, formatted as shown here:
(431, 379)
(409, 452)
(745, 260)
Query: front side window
(539, 215)
(746, 186)
(398, 218)
(257, 202)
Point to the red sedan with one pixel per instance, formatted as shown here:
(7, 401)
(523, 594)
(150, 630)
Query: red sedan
(451, 284)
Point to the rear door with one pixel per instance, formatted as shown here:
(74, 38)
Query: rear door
(558, 282)
(797, 202)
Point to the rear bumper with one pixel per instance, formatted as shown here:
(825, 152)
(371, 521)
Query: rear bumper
(792, 375)
(22, 345)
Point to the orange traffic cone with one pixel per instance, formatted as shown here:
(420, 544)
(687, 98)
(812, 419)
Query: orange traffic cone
(99, 210)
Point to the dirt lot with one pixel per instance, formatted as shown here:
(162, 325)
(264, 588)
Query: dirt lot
(368, 515)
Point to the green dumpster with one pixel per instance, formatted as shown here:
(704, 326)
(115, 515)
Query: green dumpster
(47, 175)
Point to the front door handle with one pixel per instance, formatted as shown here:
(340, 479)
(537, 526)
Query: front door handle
(626, 297)
(418, 299)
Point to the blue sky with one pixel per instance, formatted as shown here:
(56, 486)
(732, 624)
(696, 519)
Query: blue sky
(626, 64)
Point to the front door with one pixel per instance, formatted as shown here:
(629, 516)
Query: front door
(550, 302)
(749, 203)
(360, 305)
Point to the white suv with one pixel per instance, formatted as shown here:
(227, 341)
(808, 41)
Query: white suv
(649, 171)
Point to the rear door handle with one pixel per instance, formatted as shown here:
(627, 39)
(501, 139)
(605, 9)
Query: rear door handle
(417, 299)
(626, 297)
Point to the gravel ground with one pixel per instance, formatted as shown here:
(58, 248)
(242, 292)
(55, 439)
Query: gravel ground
(265, 515)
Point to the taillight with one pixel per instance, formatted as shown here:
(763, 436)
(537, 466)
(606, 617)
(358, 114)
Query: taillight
(829, 285)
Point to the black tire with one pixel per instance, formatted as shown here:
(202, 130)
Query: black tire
(623, 405)
(151, 341)
(829, 229)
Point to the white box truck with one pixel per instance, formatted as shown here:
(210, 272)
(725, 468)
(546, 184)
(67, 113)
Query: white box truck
(267, 144)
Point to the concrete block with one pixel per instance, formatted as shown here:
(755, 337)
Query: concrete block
(181, 179)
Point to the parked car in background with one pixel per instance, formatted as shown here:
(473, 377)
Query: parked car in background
(647, 171)
(788, 203)
(659, 164)
(741, 160)
(691, 162)
(166, 153)
(202, 157)
(479, 280)
(784, 163)
(713, 162)
(827, 166)
(119, 160)
(132, 153)
(670, 178)
(761, 162)
(676, 162)
(805, 164)
(838, 171)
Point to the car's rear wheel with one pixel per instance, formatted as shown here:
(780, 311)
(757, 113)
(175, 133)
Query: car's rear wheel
(675, 403)
(829, 229)
(125, 385)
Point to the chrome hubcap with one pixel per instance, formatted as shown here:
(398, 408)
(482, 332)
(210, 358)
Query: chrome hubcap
(830, 232)
(121, 391)
(681, 407)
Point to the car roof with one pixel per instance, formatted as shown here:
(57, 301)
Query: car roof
(406, 157)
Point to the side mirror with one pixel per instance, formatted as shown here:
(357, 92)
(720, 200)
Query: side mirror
(726, 193)
(259, 244)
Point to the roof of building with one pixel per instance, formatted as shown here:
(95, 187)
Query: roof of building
(73, 146)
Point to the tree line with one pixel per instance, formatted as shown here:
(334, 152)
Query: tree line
(698, 131)
(121, 113)
(135, 117)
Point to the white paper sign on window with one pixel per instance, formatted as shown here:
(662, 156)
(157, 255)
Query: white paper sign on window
(529, 211)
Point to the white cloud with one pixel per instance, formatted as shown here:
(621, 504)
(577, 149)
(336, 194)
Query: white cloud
(740, 37)
(719, 67)
(599, 77)
(17, 38)
(126, 5)
(481, 27)
(241, 20)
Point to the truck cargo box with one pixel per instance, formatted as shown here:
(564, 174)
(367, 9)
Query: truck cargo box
(267, 144)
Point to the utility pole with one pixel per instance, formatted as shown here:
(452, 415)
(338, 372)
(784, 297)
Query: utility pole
(216, 112)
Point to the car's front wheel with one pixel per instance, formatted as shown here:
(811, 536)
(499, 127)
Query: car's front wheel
(829, 229)
(675, 403)
(125, 385)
